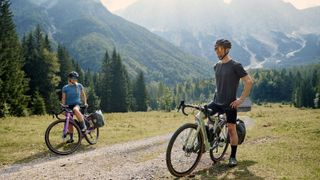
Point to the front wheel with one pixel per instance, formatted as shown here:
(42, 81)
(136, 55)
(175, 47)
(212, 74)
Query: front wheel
(60, 143)
(184, 150)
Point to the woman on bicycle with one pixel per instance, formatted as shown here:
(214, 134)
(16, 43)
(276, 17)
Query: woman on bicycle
(72, 93)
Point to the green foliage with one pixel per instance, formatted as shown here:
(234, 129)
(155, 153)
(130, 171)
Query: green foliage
(119, 85)
(93, 99)
(104, 91)
(13, 84)
(140, 94)
(162, 97)
(66, 65)
(114, 88)
(38, 104)
(298, 85)
(42, 67)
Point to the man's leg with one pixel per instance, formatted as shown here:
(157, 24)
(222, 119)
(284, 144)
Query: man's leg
(232, 130)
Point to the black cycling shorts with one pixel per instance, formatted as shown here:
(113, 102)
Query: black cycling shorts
(72, 106)
(231, 113)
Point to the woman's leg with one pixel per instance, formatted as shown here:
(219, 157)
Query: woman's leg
(76, 111)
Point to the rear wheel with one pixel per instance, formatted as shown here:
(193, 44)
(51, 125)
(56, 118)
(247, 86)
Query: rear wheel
(183, 155)
(220, 145)
(92, 134)
(60, 143)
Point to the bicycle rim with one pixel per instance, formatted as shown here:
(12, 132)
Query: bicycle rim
(57, 142)
(181, 159)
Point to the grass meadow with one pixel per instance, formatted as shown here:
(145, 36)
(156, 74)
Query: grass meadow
(283, 143)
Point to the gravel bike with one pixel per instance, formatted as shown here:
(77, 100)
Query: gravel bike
(58, 132)
(190, 141)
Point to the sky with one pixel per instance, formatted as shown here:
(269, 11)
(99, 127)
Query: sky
(114, 5)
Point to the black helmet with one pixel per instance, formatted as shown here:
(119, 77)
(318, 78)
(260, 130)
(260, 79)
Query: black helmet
(224, 43)
(73, 75)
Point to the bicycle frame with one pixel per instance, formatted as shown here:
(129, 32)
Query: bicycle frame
(69, 116)
(200, 121)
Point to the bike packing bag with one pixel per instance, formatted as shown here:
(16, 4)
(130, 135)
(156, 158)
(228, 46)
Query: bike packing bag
(97, 119)
(241, 131)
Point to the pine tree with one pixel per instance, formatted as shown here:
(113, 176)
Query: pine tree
(66, 65)
(42, 68)
(79, 70)
(114, 84)
(93, 99)
(140, 93)
(38, 104)
(106, 80)
(119, 86)
(13, 84)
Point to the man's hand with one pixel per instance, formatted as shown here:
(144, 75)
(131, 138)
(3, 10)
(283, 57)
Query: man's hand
(235, 104)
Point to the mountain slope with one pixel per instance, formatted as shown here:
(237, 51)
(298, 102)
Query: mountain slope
(263, 32)
(87, 29)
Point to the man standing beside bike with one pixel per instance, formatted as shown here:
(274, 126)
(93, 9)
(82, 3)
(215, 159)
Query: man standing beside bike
(72, 93)
(228, 74)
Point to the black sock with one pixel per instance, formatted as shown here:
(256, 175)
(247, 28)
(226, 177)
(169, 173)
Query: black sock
(233, 151)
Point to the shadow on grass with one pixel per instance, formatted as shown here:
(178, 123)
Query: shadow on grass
(221, 170)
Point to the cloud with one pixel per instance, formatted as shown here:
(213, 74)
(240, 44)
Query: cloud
(302, 4)
(114, 5)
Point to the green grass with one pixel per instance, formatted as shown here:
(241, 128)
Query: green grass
(22, 139)
(284, 142)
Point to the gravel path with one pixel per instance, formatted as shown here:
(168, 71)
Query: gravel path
(142, 159)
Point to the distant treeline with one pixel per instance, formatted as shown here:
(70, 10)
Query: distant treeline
(299, 85)
(33, 73)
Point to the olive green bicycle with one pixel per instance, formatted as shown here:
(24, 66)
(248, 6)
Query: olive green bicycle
(190, 141)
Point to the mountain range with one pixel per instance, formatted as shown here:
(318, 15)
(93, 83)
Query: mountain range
(264, 33)
(88, 29)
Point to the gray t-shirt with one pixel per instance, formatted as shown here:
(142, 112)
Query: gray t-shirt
(227, 81)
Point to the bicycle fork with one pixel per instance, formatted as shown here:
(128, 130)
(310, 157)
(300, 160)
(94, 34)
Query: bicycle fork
(189, 143)
(66, 125)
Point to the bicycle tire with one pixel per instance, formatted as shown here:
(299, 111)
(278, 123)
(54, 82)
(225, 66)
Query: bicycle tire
(170, 166)
(51, 145)
(224, 148)
(92, 140)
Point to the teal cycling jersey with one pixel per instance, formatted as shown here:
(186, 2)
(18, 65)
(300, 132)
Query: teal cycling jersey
(73, 93)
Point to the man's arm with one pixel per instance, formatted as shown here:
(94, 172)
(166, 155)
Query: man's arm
(248, 82)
